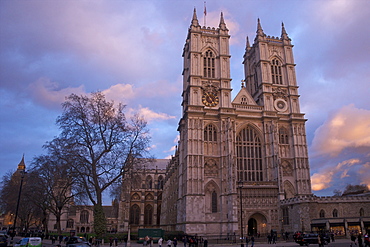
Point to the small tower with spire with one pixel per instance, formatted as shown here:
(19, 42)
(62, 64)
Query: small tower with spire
(21, 165)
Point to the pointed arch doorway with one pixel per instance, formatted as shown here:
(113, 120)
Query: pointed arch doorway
(257, 224)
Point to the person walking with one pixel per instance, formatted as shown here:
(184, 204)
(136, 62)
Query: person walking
(160, 242)
(252, 241)
(169, 243)
(174, 242)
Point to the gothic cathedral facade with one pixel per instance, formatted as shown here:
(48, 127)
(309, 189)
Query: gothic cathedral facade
(237, 158)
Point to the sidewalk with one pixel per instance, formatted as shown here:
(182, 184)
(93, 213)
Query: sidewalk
(256, 244)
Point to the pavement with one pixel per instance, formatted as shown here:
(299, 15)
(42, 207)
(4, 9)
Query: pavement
(338, 242)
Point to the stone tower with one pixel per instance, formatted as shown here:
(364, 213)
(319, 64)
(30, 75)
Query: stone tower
(237, 158)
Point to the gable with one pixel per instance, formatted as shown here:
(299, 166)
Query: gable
(244, 98)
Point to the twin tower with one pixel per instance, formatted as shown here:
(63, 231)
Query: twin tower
(237, 158)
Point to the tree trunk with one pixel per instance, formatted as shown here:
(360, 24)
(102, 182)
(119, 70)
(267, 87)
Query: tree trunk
(99, 221)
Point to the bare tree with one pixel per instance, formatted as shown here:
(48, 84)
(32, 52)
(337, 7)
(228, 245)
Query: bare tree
(52, 186)
(98, 142)
(27, 214)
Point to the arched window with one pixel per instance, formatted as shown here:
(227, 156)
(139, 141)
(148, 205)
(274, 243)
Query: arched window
(283, 136)
(134, 215)
(322, 213)
(160, 183)
(70, 223)
(276, 72)
(362, 212)
(210, 133)
(335, 213)
(84, 217)
(214, 202)
(286, 216)
(209, 64)
(148, 215)
(149, 183)
(244, 100)
(249, 155)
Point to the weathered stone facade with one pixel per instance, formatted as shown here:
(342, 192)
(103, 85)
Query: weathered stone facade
(242, 164)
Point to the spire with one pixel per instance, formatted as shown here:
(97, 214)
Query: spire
(284, 35)
(195, 22)
(259, 29)
(22, 165)
(222, 25)
(248, 46)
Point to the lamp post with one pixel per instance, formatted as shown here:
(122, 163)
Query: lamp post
(22, 172)
(240, 186)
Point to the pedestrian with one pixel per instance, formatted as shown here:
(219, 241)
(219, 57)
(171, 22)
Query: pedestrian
(174, 242)
(160, 242)
(366, 240)
(353, 239)
(169, 242)
(274, 239)
(205, 244)
(252, 240)
(125, 239)
(359, 240)
(185, 240)
(53, 240)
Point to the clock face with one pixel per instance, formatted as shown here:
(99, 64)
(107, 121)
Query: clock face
(281, 105)
(210, 99)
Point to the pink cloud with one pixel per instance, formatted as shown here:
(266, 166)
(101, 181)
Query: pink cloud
(349, 127)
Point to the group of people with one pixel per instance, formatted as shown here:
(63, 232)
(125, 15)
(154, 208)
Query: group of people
(361, 243)
(169, 242)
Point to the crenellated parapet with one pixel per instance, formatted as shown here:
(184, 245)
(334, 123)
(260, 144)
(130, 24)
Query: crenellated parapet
(325, 199)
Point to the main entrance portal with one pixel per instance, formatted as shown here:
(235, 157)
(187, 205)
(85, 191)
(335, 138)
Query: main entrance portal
(257, 224)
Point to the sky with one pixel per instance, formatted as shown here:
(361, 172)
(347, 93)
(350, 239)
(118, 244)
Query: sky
(132, 51)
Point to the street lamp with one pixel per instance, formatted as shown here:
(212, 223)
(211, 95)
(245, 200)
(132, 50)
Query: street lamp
(240, 186)
(22, 172)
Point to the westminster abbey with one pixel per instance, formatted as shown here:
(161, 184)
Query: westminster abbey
(241, 166)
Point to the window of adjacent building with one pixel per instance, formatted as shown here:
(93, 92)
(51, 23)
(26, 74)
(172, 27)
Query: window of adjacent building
(276, 72)
(70, 223)
(249, 155)
(209, 64)
(134, 214)
(210, 133)
(160, 183)
(148, 215)
(244, 100)
(285, 216)
(283, 136)
(149, 183)
(84, 217)
(322, 213)
(214, 202)
(335, 213)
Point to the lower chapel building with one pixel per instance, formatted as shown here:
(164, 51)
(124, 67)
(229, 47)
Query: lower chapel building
(241, 165)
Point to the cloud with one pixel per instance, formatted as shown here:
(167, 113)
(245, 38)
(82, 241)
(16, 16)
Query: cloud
(49, 94)
(120, 93)
(150, 115)
(349, 127)
(324, 177)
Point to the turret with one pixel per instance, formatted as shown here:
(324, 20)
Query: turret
(222, 25)
(194, 21)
